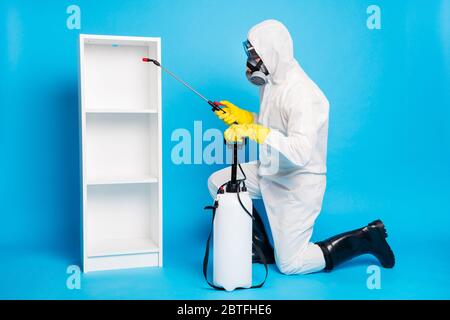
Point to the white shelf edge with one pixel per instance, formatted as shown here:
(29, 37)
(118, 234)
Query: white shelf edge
(122, 253)
(146, 111)
(95, 182)
(141, 246)
(114, 38)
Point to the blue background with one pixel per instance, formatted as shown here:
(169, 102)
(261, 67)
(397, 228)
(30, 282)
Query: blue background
(389, 139)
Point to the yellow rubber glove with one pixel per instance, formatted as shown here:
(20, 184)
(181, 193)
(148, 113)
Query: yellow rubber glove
(233, 114)
(254, 131)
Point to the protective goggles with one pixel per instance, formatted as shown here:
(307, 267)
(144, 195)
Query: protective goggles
(249, 50)
(254, 62)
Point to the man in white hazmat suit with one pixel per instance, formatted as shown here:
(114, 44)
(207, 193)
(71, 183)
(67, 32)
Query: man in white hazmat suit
(292, 130)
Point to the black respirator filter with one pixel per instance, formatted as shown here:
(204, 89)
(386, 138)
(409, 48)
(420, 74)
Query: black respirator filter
(258, 74)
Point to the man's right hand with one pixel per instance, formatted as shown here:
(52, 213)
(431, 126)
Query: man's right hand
(233, 114)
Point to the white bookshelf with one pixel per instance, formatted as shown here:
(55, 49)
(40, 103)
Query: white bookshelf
(120, 103)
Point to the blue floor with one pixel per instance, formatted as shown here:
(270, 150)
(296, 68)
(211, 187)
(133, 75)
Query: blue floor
(418, 234)
(422, 272)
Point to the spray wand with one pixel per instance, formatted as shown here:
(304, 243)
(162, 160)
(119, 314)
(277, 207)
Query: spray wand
(216, 106)
(234, 184)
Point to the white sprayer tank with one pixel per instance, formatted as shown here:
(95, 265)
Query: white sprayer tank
(232, 266)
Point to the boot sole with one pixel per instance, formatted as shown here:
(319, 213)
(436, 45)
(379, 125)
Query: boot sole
(379, 234)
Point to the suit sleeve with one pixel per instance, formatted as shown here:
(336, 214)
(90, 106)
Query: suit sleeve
(301, 135)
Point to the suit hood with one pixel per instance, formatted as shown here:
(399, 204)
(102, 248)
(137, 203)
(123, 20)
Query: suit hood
(273, 43)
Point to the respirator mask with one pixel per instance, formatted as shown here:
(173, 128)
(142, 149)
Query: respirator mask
(257, 72)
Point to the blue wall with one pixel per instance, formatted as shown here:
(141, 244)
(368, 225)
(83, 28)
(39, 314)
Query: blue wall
(389, 139)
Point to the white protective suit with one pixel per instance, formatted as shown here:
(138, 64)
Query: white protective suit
(296, 111)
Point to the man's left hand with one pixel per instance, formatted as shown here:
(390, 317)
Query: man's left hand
(254, 131)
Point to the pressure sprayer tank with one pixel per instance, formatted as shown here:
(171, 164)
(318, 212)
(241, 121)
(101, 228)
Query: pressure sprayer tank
(232, 267)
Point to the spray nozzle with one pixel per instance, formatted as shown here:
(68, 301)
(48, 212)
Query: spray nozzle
(155, 62)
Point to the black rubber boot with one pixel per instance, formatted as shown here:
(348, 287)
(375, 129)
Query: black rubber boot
(261, 239)
(367, 240)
